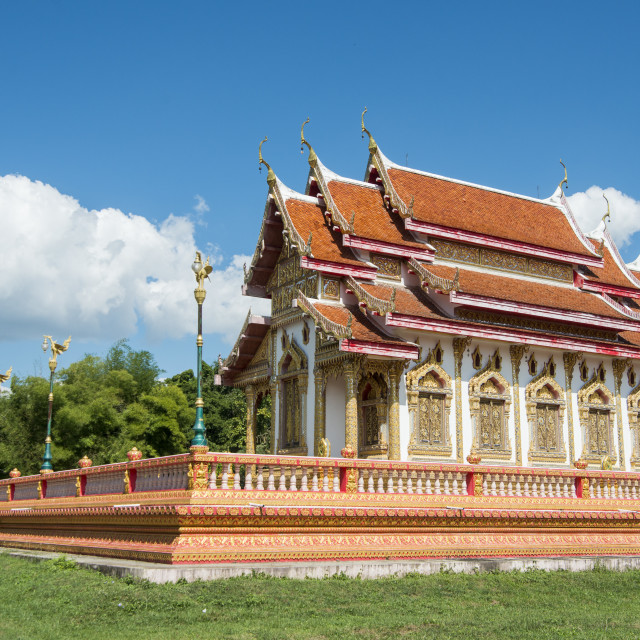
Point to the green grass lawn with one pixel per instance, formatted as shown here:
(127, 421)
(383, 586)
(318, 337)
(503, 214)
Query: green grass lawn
(55, 599)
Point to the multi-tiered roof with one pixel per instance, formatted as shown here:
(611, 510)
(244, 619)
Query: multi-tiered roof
(409, 251)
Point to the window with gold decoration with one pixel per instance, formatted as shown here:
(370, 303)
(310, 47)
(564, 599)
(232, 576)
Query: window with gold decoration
(372, 416)
(545, 408)
(489, 404)
(596, 407)
(292, 389)
(429, 393)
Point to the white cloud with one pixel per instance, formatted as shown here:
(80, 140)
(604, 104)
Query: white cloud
(99, 274)
(589, 207)
(201, 205)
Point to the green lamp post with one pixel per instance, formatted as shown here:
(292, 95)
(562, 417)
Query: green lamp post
(201, 271)
(56, 350)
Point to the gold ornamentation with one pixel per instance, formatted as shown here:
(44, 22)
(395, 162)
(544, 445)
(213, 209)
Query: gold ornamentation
(476, 358)
(429, 393)
(606, 464)
(537, 325)
(443, 285)
(56, 350)
(127, 482)
(459, 347)
(84, 463)
(595, 407)
(78, 487)
(517, 352)
(502, 260)
(564, 181)
(134, 454)
(489, 403)
(330, 288)
(388, 267)
(324, 450)
(474, 458)
(619, 366)
(5, 376)
(14, 473)
(202, 273)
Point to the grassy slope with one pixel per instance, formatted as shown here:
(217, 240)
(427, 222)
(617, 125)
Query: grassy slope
(54, 599)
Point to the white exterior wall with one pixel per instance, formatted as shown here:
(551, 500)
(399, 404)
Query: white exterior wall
(335, 414)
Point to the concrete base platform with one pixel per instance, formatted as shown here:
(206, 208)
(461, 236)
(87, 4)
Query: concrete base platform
(161, 573)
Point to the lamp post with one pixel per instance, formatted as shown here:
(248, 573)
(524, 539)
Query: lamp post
(56, 350)
(201, 271)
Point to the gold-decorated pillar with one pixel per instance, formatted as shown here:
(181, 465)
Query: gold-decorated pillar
(320, 414)
(517, 351)
(459, 347)
(395, 371)
(274, 411)
(618, 369)
(351, 404)
(570, 358)
(250, 396)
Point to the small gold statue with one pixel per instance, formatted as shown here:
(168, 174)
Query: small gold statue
(201, 270)
(607, 463)
(5, 376)
(324, 448)
(56, 348)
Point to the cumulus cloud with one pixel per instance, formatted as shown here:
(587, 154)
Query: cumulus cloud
(201, 205)
(589, 207)
(103, 274)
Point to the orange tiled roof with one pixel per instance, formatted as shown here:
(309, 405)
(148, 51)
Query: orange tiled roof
(361, 327)
(325, 244)
(611, 273)
(411, 301)
(527, 292)
(372, 220)
(458, 206)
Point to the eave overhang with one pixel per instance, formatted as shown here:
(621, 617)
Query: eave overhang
(388, 248)
(406, 352)
(598, 287)
(469, 237)
(337, 269)
(252, 334)
(548, 313)
(453, 327)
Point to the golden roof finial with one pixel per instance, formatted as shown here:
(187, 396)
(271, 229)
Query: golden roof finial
(608, 214)
(271, 176)
(564, 180)
(313, 158)
(373, 147)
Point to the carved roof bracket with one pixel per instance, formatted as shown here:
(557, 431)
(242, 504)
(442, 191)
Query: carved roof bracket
(376, 305)
(329, 327)
(435, 282)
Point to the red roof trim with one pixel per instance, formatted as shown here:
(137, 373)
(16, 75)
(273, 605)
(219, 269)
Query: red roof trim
(337, 269)
(509, 335)
(499, 243)
(410, 352)
(388, 248)
(599, 287)
(519, 308)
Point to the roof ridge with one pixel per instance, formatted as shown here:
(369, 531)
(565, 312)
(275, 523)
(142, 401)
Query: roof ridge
(618, 258)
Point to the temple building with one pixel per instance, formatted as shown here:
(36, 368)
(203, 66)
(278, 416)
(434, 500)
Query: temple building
(418, 317)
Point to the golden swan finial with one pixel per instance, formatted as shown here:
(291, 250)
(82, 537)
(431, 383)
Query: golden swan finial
(608, 214)
(372, 143)
(5, 376)
(271, 176)
(564, 180)
(312, 154)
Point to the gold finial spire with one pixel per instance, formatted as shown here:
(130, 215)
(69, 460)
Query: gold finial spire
(608, 214)
(271, 176)
(564, 180)
(373, 147)
(313, 158)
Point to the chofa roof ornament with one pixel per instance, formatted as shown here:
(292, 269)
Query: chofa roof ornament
(271, 176)
(313, 158)
(373, 147)
(564, 181)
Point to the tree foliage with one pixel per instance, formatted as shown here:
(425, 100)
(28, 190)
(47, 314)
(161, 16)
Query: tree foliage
(103, 406)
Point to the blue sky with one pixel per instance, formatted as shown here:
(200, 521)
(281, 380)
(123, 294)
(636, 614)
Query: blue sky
(156, 109)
